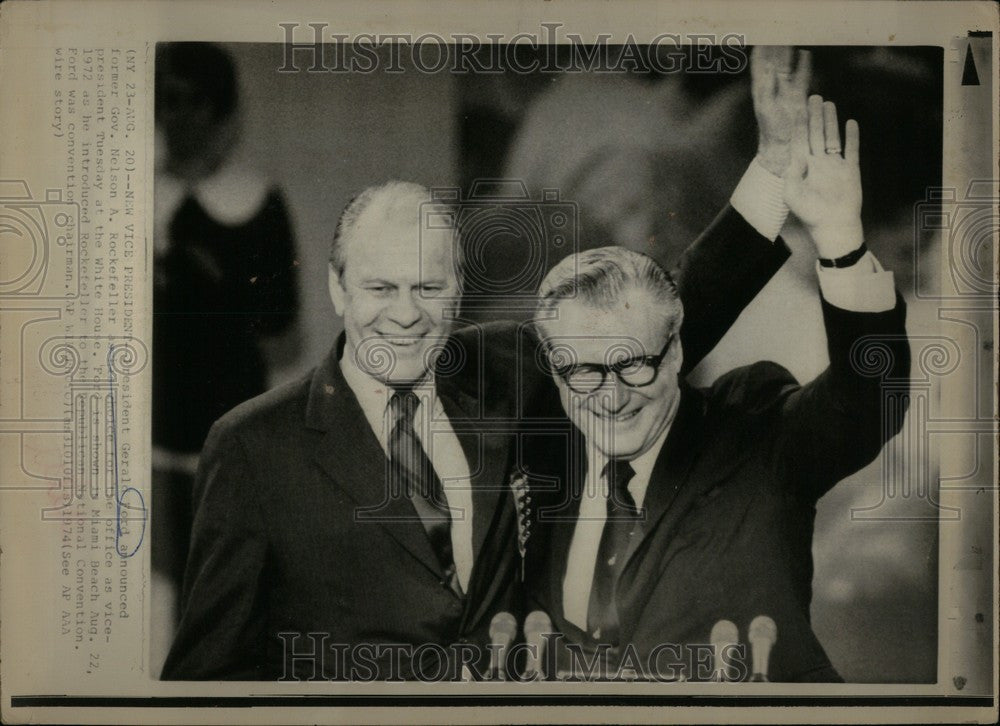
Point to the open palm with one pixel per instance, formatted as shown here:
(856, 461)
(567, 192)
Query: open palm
(823, 187)
(779, 101)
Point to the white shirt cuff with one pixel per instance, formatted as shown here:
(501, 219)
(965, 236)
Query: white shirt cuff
(759, 198)
(864, 287)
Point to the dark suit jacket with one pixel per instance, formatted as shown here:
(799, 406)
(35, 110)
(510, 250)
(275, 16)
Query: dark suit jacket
(730, 505)
(279, 544)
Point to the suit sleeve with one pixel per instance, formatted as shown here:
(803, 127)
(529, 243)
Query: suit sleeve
(838, 423)
(221, 634)
(718, 276)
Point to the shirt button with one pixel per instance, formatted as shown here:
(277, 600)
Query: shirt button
(612, 560)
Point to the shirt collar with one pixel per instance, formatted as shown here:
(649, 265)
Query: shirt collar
(373, 395)
(642, 465)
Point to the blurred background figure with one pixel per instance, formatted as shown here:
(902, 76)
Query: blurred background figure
(224, 284)
(649, 157)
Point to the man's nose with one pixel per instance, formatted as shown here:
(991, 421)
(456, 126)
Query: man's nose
(405, 310)
(615, 395)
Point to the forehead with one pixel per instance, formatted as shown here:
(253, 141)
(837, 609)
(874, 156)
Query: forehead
(389, 243)
(636, 320)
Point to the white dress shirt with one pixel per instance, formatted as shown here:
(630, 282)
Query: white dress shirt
(590, 525)
(440, 444)
(862, 287)
(760, 200)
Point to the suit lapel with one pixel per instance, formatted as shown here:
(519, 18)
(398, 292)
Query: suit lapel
(666, 493)
(350, 454)
(564, 526)
(561, 540)
(469, 406)
(492, 527)
(669, 496)
(486, 455)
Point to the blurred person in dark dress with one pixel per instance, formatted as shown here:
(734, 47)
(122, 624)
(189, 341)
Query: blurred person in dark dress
(224, 281)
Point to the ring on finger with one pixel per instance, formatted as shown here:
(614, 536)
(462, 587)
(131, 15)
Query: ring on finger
(833, 149)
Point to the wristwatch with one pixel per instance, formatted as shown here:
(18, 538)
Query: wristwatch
(847, 260)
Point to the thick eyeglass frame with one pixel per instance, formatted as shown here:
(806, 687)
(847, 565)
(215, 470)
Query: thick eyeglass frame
(652, 362)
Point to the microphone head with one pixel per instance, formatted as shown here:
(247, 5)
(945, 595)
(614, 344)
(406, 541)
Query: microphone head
(503, 627)
(537, 623)
(763, 628)
(724, 632)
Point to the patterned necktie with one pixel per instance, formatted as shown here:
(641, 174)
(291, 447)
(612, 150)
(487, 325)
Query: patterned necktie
(412, 473)
(621, 525)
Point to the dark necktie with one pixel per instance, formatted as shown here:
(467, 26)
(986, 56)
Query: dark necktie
(412, 473)
(622, 524)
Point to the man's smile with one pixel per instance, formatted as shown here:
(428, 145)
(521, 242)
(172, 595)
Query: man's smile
(401, 341)
(617, 417)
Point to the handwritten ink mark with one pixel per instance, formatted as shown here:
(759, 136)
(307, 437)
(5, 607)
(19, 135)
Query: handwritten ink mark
(123, 499)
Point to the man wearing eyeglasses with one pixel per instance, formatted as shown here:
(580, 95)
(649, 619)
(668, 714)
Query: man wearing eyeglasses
(367, 503)
(675, 508)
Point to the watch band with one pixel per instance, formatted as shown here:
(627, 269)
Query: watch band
(847, 260)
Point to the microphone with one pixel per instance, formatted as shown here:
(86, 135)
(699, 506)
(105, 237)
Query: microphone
(536, 626)
(724, 634)
(503, 628)
(762, 635)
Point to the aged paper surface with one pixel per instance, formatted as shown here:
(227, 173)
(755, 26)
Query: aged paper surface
(905, 588)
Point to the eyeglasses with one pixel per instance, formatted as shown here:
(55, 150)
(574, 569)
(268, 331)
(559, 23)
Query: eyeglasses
(633, 371)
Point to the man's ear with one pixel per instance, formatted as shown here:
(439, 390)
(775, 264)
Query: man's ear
(336, 289)
(676, 353)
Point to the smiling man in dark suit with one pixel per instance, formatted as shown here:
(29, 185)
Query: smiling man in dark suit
(358, 523)
(690, 512)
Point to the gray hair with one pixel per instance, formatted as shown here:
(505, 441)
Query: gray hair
(599, 276)
(391, 199)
